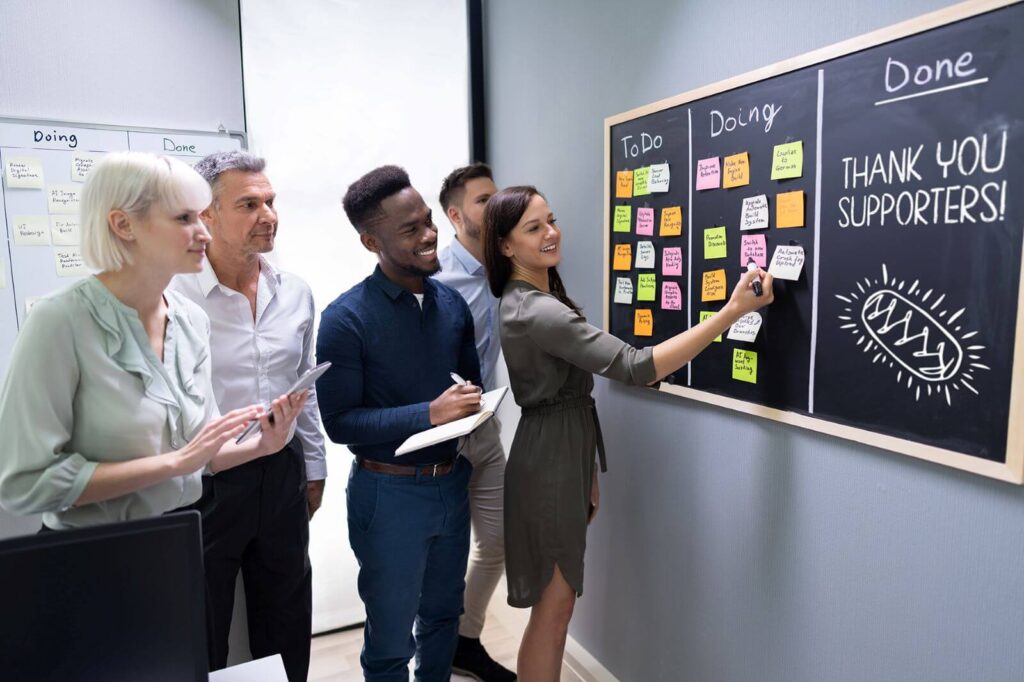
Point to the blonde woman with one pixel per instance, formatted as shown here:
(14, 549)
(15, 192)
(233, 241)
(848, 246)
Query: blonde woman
(107, 412)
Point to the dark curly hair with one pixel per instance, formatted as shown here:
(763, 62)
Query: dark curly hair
(454, 185)
(363, 198)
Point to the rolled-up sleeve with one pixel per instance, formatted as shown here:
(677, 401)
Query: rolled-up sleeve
(562, 332)
(37, 417)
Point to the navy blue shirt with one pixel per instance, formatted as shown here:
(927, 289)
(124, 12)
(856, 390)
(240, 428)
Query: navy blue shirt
(390, 359)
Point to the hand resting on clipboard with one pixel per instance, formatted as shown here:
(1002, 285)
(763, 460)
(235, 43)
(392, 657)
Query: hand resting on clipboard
(303, 383)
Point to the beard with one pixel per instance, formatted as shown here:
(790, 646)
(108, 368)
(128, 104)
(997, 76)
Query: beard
(472, 230)
(417, 271)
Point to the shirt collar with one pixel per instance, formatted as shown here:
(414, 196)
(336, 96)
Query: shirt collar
(208, 277)
(465, 258)
(393, 290)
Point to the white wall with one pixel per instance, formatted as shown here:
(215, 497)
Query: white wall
(333, 90)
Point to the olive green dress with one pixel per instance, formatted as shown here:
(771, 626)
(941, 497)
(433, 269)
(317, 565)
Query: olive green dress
(552, 354)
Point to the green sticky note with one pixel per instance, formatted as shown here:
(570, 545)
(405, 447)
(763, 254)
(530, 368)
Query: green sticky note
(623, 219)
(646, 285)
(705, 314)
(744, 365)
(714, 242)
(641, 176)
(788, 160)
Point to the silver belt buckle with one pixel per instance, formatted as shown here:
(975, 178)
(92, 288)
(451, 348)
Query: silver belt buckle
(434, 472)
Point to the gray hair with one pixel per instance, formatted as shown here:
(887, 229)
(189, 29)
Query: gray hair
(213, 166)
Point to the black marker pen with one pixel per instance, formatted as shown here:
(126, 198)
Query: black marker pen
(758, 290)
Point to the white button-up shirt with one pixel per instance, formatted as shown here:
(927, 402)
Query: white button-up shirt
(255, 361)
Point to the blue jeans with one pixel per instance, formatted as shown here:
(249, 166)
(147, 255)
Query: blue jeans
(410, 535)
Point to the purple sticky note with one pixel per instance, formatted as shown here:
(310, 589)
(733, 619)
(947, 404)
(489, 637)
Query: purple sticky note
(645, 221)
(708, 174)
(672, 261)
(671, 296)
(753, 247)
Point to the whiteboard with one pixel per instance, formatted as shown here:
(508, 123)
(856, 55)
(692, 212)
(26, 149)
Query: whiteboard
(41, 250)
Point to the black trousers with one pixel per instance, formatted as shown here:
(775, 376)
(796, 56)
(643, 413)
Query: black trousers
(256, 519)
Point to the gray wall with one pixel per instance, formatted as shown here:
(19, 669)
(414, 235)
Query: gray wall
(728, 547)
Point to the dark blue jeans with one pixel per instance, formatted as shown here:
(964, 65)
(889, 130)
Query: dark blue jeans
(410, 535)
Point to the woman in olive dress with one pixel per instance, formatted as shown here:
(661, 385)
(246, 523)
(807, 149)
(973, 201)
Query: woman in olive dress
(551, 490)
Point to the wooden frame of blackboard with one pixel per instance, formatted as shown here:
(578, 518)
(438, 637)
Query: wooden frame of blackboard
(1010, 470)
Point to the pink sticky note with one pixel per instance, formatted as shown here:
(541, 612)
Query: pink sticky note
(753, 246)
(671, 296)
(645, 221)
(709, 173)
(672, 261)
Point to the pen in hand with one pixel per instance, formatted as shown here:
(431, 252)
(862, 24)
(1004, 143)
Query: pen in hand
(462, 382)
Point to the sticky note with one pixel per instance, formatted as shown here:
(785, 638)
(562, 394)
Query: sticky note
(671, 222)
(789, 209)
(65, 230)
(31, 230)
(646, 286)
(736, 170)
(787, 262)
(755, 213)
(623, 290)
(23, 172)
(69, 262)
(63, 198)
(643, 323)
(744, 365)
(624, 184)
(671, 296)
(645, 221)
(708, 173)
(623, 259)
(658, 182)
(81, 164)
(753, 247)
(713, 286)
(714, 242)
(672, 261)
(645, 255)
(640, 179)
(707, 314)
(623, 219)
(788, 160)
(745, 328)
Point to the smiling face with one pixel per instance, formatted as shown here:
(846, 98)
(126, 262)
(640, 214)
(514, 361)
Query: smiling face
(534, 244)
(404, 236)
(242, 217)
(169, 239)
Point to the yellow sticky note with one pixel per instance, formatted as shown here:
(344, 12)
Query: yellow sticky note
(705, 314)
(671, 222)
(736, 170)
(744, 365)
(623, 257)
(714, 242)
(643, 323)
(623, 219)
(788, 160)
(624, 184)
(789, 209)
(713, 286)
(646, 286)
(641, 176)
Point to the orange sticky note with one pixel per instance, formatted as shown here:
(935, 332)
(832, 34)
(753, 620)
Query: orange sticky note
(671, 222)
(624, 184)
(643, 323)
(736, 170)
(713, 286)
(789, 209)
(623, 257)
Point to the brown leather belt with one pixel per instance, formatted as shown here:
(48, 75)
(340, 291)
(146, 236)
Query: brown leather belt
(430, 470)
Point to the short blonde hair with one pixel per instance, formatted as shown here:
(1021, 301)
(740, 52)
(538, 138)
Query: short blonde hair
(133, 182)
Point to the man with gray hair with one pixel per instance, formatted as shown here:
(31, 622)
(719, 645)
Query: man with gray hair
(256, 516)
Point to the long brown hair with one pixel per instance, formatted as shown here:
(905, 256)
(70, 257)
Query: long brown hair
(502, 213)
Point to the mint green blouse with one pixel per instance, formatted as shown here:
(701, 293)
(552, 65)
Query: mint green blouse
(85, 387)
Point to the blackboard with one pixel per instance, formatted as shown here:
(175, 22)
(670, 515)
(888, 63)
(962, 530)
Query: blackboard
(902, 328)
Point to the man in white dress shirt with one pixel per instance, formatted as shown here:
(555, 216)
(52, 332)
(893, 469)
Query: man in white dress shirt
(256, 516)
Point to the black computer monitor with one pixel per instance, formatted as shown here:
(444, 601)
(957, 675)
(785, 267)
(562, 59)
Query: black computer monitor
(119, 602)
